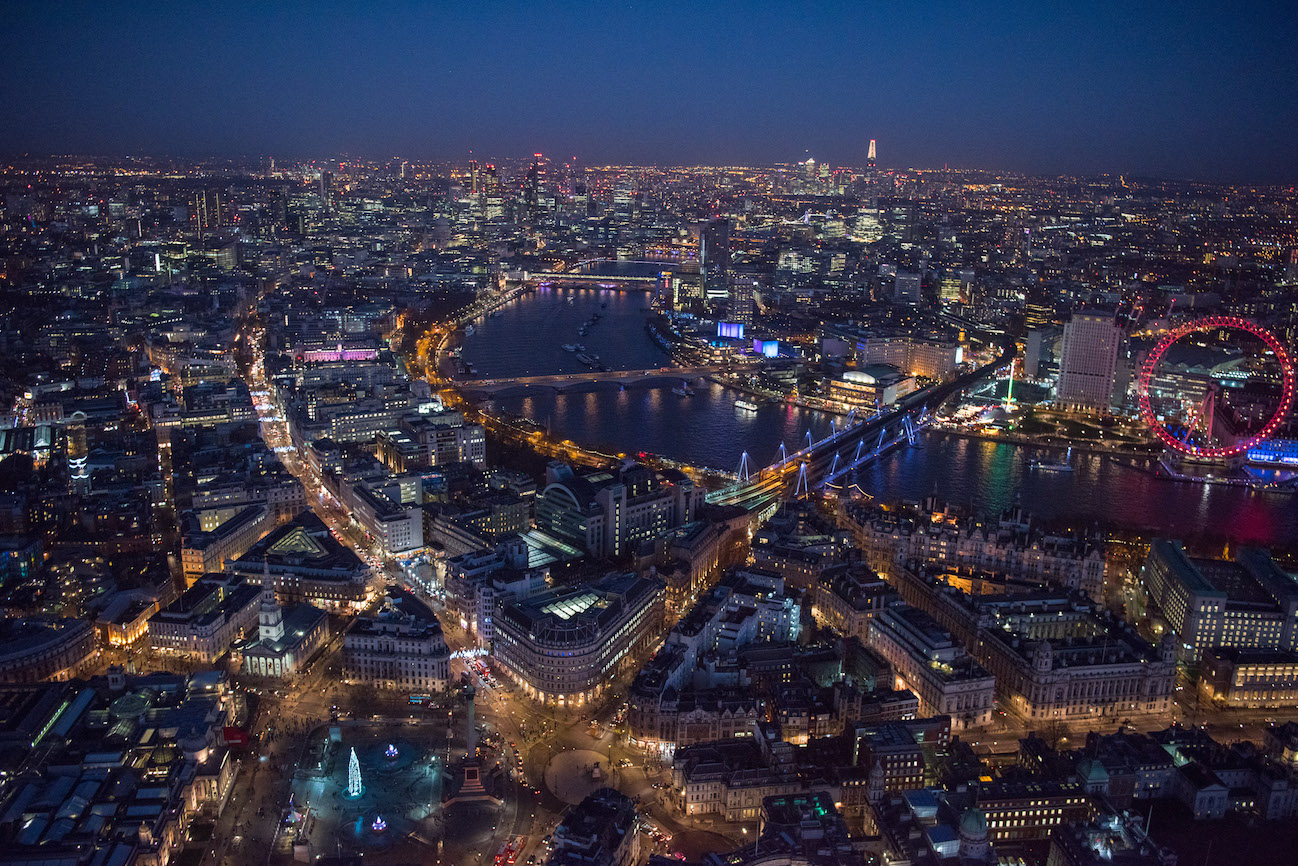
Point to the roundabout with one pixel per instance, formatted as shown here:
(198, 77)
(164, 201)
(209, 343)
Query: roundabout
(573, 774)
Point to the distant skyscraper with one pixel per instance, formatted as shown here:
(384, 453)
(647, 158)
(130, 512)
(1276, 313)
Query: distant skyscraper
(714, 259)
(206, 210)
(327, 189)
(1036, 345)
(1088, 361)
(1038, 311)
(743, 289)
(869, 159)
(906, 288)
(532, 185)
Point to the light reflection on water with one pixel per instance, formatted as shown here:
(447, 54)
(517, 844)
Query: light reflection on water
(706, 429)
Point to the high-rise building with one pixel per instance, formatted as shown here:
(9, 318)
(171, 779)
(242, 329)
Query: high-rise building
(1038, 311)
(1088, 361)
(743, 292)
(1037, 348)
(206, 210)
(327, 189)
(906, 288)
(533, 183)
(714, 259)
(869, 159)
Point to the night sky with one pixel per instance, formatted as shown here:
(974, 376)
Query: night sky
(1199, 90)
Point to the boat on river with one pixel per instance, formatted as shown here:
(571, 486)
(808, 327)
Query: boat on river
(1065, 465)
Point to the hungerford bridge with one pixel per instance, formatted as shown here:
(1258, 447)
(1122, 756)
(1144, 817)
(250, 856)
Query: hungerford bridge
(856, 442)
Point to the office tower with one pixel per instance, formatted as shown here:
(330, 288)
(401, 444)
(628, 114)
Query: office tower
(714, 258)
(743, 291)
(906, 288)
(327, 189)
(532, 185)
(869, 159)
(473, 177)
(280, 204)
(271, 170)
(403, 169)
(1032, 354)
(1038, 311)
(206, 210)
(949, 292)
(1088, 361)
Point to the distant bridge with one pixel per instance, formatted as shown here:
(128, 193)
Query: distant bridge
(581, 273)
(565, 381)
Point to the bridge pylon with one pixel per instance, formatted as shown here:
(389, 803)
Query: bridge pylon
(744, 472)
(912, 434)
(801, 490)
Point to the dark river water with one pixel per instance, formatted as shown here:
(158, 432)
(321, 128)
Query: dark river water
(706, 429)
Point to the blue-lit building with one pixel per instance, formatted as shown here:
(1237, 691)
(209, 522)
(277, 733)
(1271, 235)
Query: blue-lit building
(20, 557)
(1275, 452)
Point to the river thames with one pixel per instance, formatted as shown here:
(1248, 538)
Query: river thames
(527, 337)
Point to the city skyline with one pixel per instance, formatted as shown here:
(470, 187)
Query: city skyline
(556, 434)
(1010, 88)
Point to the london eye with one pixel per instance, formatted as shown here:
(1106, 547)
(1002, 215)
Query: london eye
(1216, 409)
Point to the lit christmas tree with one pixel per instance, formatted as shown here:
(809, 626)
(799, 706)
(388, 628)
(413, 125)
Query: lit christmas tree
(354, 787)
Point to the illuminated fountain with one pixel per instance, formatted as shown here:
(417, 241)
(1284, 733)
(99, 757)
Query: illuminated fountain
(379, 824)
(391, 752)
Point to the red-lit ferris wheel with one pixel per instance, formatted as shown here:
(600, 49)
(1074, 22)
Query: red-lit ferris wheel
(1188, 428)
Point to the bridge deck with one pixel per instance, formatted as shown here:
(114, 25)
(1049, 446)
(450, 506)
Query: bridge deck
(818, 457)
(593, 376)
